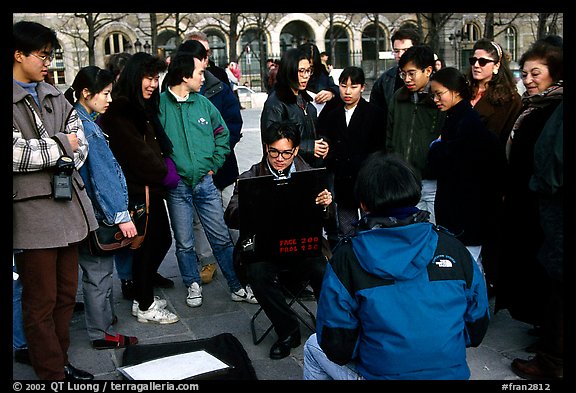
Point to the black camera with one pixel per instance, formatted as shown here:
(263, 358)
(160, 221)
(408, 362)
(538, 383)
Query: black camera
(62, 183)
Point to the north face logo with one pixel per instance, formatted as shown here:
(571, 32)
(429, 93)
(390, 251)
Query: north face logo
(444, 261)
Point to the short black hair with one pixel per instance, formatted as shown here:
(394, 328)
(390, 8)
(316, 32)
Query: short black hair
(356, 75)
(454, 80)
(181, 66)
(28, 37)
(282, 130)
(406, 33)
(195, 47)
(386, 181)
(421, 55)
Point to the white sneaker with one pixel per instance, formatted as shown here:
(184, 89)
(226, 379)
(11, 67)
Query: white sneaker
(157, 315)
(160, 303)
(244, 295)
(194, 298)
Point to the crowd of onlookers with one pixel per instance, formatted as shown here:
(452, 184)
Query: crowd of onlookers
(444, 189)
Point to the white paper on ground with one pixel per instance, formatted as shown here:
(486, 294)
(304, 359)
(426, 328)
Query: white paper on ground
(176, 367)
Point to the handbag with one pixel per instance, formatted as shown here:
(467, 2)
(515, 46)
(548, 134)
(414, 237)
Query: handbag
(139, 215)
(108, 239)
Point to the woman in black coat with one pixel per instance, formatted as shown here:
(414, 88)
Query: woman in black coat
(289, 102)
(520, 275)
(468, 163)
(353, 129)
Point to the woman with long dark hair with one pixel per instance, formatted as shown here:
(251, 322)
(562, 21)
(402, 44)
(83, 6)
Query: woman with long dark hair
(496, 99)
(290, 102)
(139, 143)
(90, 94)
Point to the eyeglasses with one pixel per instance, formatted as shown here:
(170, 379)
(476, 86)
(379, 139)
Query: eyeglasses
(286, 154)
(482, 61)
(411, 74)
(46, 59)
(303, 71)
(438, 95)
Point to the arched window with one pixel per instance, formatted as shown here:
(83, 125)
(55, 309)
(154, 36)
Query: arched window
(341, 47)
(217, 47)
(470, 33)
(117, 43)
(294, 34)
(371, 53)
(369, 48)
(511, 41)
(249, 58)
(167, 42)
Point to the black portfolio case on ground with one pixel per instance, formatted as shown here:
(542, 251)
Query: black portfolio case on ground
(225, 347)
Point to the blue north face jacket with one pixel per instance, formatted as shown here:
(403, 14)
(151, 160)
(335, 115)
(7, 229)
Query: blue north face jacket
(402, 302)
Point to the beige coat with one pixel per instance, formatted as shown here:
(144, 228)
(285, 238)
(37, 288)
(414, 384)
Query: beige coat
(39, 221)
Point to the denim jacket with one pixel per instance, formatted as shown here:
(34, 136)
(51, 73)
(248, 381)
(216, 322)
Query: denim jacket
(103, 176)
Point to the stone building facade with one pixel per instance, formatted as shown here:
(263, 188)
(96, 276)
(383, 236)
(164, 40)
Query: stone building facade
(355, 42)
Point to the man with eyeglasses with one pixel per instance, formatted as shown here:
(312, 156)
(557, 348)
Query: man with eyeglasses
(414, 121)
(51, 212)
(282, 143)
(390, 81)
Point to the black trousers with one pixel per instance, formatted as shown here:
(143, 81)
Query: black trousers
(266, 278)
(150, 255)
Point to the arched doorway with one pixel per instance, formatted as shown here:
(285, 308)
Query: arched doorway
(341, 57)
(217, 47)
(167, 43)
(294, 34)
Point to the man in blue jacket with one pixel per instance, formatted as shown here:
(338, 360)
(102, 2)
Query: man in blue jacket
(401, 299)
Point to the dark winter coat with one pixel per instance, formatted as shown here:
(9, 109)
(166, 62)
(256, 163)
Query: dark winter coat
(468, 163)
(350, 144)
(280, 106)
(221, 95)
(134, 143)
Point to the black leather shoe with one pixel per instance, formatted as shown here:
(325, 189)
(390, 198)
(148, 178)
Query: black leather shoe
(162, 282)
(71, 373)
(21, 356)
(281, 348)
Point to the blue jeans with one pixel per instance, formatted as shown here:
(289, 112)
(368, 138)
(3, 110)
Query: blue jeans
(18, 336)
(123, 262)
(318, 367)
(205, 200)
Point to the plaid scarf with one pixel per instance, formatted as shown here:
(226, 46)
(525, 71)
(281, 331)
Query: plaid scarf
(533, 102)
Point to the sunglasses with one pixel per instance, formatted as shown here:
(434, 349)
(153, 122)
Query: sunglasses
(481, 61)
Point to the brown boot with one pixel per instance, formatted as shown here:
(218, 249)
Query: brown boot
(208, 272)
(539, 367)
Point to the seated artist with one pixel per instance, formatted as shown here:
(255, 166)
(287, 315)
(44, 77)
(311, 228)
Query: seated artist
(281, 160)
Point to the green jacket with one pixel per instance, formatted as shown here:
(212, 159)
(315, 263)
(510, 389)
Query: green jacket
(198, 133)
(412, 127)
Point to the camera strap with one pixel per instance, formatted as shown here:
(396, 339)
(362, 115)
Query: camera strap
(42, 133)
